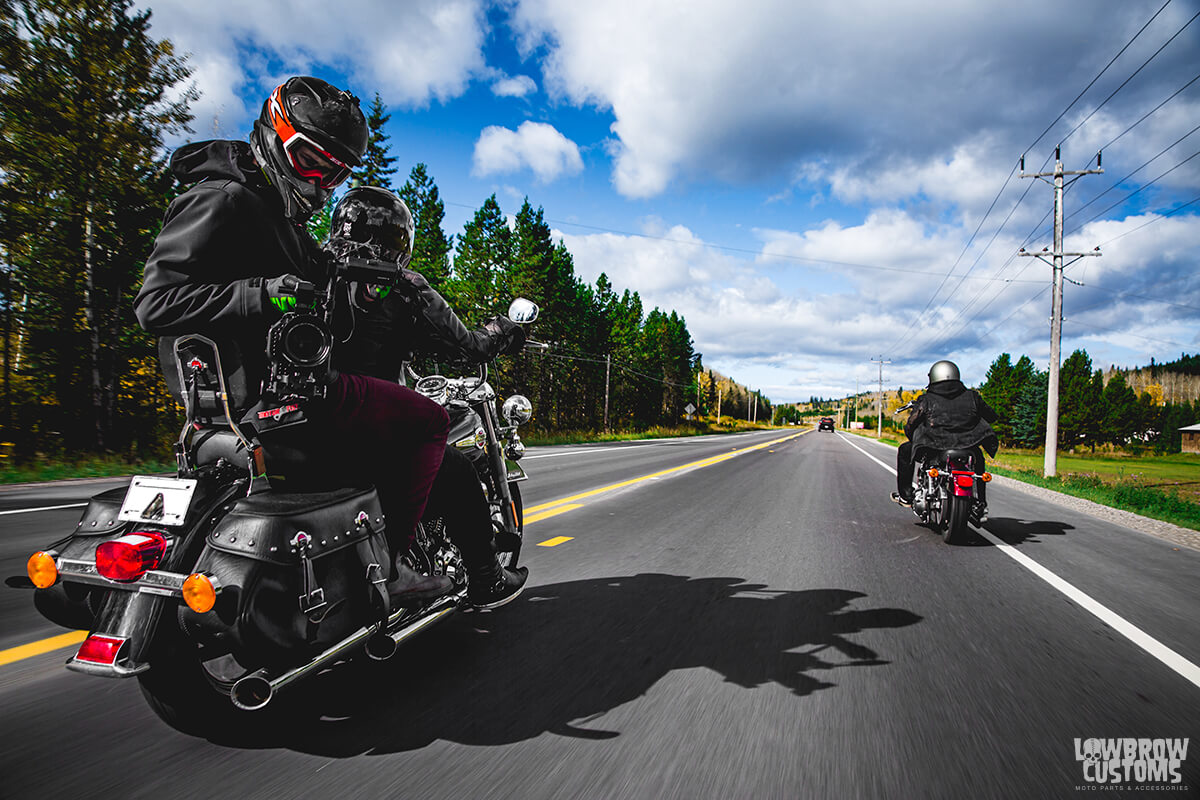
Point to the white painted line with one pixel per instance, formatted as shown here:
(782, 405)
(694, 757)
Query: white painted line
(43, 508)
(1153, 646)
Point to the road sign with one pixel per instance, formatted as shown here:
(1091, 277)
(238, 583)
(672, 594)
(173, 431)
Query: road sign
(689, 409)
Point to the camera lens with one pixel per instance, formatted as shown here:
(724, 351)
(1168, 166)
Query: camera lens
(306, 344)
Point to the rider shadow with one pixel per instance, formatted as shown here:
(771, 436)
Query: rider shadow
(566, 654)
(1023, 531)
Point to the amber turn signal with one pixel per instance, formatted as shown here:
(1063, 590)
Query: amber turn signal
(199, 593)
(933, 473)
(986, 477)
(42, 569)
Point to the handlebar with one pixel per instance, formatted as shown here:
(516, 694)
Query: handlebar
(904, 407)
(539, 346)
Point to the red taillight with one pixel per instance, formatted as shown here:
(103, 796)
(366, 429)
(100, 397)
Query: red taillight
(964, 479)
(129, 558)
(99, 649)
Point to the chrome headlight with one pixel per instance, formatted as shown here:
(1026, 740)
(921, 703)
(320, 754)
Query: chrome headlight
(517, 410)
(515, 449)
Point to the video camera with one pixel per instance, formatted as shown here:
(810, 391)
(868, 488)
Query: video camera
(300, 344)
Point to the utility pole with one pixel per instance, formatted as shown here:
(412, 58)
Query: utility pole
(607, 366)
(1050, 465)
(881, 362)
(718, 403)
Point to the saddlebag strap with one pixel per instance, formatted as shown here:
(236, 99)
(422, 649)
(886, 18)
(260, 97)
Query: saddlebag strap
(312, 598)
(369, 554)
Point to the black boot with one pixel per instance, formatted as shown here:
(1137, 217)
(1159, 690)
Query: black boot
(490, 585)
(409, 586)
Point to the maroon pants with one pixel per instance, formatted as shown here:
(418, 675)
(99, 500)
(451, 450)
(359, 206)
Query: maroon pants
(396, 439)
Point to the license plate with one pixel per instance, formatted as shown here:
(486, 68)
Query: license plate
(161, 501)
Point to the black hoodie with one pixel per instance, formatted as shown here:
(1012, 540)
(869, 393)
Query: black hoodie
(220, 240)
(951, 416)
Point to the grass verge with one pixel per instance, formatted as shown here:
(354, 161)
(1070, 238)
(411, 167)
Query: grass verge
(97, 467)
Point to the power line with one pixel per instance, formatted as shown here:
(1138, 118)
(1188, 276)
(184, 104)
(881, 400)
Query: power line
(1156, 219)
(1135, 192)
(1145, 164)
(1148, 113)
(1136, 71)
(1098, 76)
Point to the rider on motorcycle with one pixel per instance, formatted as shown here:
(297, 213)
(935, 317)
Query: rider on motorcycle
(385, 327)
(948, 416)
(231, 249)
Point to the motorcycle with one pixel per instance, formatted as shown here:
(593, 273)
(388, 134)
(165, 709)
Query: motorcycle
(217, 588)
(945, 489)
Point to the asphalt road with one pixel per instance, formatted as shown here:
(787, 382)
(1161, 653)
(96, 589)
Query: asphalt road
(761, 624)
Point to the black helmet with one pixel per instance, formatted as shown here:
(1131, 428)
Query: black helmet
(373, 223)
(308, 137)
(943, 371)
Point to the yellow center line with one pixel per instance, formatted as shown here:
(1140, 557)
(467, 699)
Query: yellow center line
(552, 512)
(43, 646)
(555, 542)
(704, 462)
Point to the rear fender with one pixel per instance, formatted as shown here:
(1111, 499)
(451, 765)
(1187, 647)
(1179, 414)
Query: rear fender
(963, 483)
(133, 617)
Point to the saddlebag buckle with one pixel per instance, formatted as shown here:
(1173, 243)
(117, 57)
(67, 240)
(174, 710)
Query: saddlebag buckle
(312, 599)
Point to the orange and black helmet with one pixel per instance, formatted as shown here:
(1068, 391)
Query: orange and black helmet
(307, 139)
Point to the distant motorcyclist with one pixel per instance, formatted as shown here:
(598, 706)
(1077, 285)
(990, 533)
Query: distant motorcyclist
(948, 416)
(385, 326)
(232, 249)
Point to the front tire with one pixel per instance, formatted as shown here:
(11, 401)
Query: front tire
(508, 557)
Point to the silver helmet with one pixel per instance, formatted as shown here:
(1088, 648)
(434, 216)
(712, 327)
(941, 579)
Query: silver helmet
(943, 371)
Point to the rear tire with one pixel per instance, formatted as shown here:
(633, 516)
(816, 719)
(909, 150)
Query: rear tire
(955, 511)
(178, 691)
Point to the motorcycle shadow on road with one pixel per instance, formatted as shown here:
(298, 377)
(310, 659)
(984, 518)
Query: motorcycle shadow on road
(565, 654)
(1022, 531)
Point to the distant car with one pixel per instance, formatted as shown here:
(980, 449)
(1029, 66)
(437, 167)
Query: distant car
(826, 424)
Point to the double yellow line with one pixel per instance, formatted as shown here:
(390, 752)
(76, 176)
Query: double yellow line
(565, 504)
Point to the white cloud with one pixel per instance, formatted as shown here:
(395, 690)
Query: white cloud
(516, 86)
(534, 144)
(430, 51)
(876, 94)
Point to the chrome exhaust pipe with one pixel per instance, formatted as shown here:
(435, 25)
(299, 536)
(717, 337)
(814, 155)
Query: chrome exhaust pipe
(254, 691)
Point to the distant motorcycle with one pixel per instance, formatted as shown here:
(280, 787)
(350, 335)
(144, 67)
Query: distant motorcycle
(216, 583)
(945, 489)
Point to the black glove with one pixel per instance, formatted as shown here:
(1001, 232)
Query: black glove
(282, 291)
(512, 334)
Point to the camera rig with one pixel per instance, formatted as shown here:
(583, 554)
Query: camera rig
(300, 343)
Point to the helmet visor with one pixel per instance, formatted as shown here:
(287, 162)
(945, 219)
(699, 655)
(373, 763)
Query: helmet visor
(314, 163)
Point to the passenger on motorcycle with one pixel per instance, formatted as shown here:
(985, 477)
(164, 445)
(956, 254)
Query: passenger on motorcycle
(230, 250)
(385, 327)
(948, 416)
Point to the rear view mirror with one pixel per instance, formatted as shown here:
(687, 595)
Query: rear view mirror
(523, 311)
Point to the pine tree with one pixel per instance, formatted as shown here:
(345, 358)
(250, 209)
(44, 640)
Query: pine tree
(86, 101)
(376, 168)
(1029, 412)
(431, 247)
(485, 251)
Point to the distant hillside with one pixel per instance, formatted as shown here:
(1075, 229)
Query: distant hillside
(1178, 380)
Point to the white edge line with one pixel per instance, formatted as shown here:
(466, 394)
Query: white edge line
(43, 508)
(1106, 615)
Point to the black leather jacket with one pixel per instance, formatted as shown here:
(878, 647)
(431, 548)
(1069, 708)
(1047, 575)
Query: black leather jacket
(375, 332)
(220, 240)
(951, 416)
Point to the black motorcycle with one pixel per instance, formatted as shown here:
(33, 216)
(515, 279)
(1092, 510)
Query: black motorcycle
(945, 489)
(219, 583)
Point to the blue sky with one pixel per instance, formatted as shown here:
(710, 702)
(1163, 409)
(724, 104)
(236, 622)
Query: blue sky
(796, 179)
